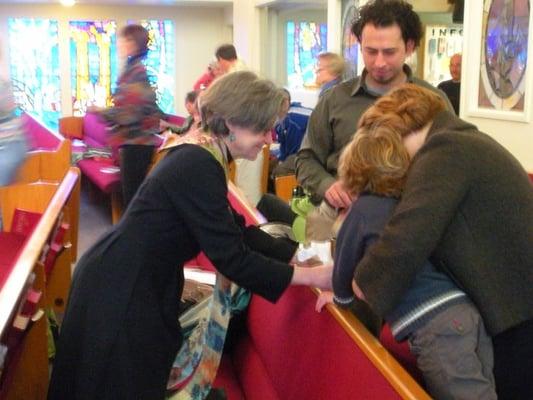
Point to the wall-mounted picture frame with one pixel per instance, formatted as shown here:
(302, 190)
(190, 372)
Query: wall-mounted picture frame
(349, 43)
(503, 81)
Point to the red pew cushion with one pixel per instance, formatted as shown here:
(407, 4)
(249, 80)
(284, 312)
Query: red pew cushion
(104, 174)
(306, 355)
(400, 351)
(10, 246)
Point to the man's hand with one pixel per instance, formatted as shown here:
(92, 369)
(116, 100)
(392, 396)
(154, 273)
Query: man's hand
(337, 196)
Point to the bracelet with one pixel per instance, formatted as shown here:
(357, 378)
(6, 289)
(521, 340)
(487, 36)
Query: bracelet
(343, 301)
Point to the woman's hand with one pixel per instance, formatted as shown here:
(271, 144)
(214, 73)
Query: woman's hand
(324, 298)
(310, 262)
(319, 277)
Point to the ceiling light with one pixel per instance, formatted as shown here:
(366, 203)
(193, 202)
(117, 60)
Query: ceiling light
(68, 3)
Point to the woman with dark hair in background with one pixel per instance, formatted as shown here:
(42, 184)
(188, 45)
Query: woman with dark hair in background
(121, 333)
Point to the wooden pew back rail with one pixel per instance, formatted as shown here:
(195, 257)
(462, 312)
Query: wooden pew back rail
(25, 376)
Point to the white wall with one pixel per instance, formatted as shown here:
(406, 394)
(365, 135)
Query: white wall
(199, 30)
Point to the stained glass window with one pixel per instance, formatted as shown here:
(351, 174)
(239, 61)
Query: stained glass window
(93, 64)
(160, 61)
(305, 40)
(34, 67)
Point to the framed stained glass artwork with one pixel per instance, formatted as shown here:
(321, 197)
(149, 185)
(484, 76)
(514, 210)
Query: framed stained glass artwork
(160, 61)
(349, 45)
(495, 67)
(34, 67)
(93, 64)
(504, 53)
(305, 40)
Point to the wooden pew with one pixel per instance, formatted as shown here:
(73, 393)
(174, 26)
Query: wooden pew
(26, 374)
(288, 351)
(49, 161)
(284, 186)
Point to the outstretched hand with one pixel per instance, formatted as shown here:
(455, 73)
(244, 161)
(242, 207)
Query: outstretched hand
(324, 298)
(319, 276)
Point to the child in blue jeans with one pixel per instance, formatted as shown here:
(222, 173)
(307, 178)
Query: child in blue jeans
(444, 329)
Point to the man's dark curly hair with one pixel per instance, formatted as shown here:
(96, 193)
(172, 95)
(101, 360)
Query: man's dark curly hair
(384, 13)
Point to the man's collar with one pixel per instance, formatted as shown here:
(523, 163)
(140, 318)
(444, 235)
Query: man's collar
(360, 81)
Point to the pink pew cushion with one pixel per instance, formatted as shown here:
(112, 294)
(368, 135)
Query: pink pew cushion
(95, 133)
(39, 137)
(175, 120)
(104, 174)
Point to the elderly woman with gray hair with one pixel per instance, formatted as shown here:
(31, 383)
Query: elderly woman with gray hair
(120, 333)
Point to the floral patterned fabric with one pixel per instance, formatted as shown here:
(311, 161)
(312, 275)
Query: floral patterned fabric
(196, 364)
(135, 116)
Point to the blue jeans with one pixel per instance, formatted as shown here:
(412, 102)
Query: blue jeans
(12, 154)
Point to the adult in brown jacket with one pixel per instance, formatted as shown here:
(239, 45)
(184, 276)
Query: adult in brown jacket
(468, 206)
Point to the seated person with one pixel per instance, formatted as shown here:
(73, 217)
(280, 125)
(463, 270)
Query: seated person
(289, 132)
(444, 329)
(192, 119)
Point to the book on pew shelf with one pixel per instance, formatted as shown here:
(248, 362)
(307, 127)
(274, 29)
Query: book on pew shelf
(24, 222)
(198, 287)
(200, 275)
(54, 248)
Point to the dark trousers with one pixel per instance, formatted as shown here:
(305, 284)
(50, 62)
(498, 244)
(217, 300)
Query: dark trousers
(513, 357)
(275, 209)
(135, 159)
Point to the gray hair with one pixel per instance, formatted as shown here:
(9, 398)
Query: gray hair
(242, 99)
(335, 64)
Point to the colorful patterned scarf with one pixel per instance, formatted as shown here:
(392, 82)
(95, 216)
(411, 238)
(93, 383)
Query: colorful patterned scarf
(197, 361)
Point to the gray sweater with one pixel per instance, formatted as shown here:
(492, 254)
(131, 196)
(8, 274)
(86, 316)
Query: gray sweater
(468, 206)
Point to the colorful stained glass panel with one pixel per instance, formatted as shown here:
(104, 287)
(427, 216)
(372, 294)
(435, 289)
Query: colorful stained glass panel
(160, 61)
(93, 64)
(305, 40)
(34, 67)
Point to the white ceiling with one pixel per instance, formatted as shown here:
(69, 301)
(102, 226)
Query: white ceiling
(128, 2)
